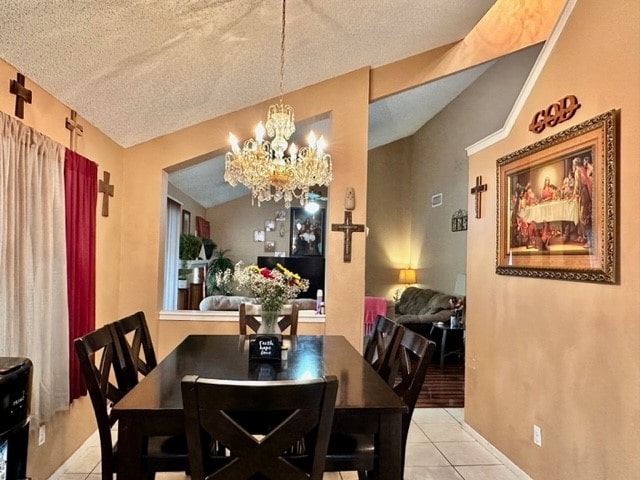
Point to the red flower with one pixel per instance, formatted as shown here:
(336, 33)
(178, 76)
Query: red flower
(266, 273)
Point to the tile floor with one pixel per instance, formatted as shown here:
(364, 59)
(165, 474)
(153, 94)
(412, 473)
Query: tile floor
(437, 449)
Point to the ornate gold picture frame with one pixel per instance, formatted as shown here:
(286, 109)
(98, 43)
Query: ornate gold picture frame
(557, 205)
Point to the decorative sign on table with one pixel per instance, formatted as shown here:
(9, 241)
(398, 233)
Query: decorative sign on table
(265, 348)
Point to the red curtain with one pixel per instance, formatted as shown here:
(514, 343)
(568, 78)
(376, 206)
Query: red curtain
(81, 195)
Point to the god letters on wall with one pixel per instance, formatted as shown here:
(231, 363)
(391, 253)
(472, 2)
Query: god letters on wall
(556, 113)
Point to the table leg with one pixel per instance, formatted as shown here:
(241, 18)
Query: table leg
(442, 347)
(130, 450)
(390, 459)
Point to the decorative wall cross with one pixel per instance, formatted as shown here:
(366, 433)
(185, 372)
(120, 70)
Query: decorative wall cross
(107, 191)
(477, 191)
(347, 228)
(75, 130)
(23, 94)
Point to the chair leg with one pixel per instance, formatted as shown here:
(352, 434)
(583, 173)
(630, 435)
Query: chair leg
(364, 475)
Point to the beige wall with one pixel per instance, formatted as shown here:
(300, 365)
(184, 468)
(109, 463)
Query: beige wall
(388, 217)
(345, 99)
(233, 224)
(564, 355)
(67, 430)
(188, 204)
(404, 229)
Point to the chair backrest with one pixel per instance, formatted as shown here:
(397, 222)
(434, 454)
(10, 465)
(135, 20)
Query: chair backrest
(101, 361)
(138, 344)
(280, 413)
(384, 338)
(409, 363)
(249, 317)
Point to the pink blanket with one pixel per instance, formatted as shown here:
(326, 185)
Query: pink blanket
(373, 306)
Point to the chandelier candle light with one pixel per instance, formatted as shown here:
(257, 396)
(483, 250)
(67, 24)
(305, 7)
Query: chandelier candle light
(262, 166)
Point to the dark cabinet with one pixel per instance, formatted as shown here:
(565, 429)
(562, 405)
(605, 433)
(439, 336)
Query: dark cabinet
(15, 407)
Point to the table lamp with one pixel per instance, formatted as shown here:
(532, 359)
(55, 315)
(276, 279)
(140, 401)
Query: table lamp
(407, 276)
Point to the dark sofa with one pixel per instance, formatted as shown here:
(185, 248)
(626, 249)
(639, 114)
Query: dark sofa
(419, 308)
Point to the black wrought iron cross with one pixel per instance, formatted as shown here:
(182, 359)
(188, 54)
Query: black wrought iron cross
(477, 191)
(347, 228)
(74, 128)
(23, 94)
(107, 191)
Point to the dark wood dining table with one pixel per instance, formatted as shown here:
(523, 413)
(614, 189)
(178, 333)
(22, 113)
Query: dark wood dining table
(364, 404)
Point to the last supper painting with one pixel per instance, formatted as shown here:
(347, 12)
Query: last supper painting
(556, 205)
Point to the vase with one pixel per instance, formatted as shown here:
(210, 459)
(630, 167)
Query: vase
(269, 323)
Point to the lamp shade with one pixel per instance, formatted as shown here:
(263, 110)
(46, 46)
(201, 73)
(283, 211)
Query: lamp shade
(407, 276)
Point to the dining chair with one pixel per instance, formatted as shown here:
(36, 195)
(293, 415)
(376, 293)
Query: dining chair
(377, 353)
(139, 345)
(408, 365)
(250, 313)
(101, 362)
(259, 423)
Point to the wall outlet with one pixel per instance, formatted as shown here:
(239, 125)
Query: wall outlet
(42, 435)
(537, 435)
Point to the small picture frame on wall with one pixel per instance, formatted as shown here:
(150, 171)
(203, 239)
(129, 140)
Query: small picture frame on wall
(280, 254)
(436, 200)
(281, 215)
(459, 221)
(307, 233)
(269, 225)
(270, 247)
(186, 221)
(258, 235)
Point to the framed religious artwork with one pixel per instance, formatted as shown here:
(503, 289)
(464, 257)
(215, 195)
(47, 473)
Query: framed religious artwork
(281, 215)
(557, 205)
(270, 247)
(307, 232)
(459, 221)
(258, 235)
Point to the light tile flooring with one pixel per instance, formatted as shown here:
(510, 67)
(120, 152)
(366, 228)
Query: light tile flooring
(437, 449)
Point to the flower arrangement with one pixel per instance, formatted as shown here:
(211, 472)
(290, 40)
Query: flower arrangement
(272, 287)
(224, 281)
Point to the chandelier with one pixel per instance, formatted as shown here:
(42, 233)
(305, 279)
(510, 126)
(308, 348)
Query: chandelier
(262, 164)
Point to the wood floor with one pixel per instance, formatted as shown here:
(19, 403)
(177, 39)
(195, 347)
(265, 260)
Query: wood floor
(444, 387)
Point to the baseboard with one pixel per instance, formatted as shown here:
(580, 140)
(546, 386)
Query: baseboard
(513, 468)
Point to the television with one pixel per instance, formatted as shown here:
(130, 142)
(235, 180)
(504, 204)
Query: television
(311, 268)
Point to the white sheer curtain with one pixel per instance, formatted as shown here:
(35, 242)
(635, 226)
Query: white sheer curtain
(33, 270)
(172, 246)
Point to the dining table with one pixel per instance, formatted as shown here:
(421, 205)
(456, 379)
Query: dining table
(365, 404)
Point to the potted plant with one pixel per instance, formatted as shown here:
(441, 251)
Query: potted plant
(190, 246)
(209, 247)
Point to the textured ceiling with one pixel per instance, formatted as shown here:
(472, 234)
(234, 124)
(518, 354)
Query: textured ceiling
(137, 69)
(140, 69)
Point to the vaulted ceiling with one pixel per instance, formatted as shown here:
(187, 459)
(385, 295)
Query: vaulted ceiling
(138, 69)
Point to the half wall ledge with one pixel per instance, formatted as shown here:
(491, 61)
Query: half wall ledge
(175, 325)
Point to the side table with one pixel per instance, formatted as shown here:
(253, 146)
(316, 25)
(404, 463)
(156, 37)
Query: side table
(446, 327)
